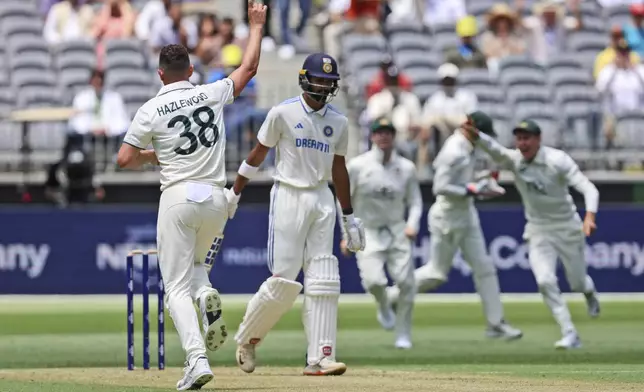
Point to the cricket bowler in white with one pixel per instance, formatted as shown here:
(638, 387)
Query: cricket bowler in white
(454, 224)
(554, 228)
(310, 138)
(383, 186)
(185, 125)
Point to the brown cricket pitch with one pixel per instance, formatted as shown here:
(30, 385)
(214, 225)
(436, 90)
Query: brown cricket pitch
(290, 379)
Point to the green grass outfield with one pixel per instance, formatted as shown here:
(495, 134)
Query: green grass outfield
(82, 343)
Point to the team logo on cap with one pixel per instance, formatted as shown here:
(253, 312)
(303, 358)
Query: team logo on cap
(327, 67)
(524, 124)
(328, 131)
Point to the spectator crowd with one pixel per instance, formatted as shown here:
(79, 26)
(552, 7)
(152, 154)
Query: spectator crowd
(574, 65)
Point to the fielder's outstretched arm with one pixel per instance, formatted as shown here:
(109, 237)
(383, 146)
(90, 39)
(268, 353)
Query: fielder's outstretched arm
(499, 154)
(576, 179)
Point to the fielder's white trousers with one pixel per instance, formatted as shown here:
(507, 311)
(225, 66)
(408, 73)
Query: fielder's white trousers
(301, 227)
(547, 243)
(190, 217)
(390, 247)
(461, 229)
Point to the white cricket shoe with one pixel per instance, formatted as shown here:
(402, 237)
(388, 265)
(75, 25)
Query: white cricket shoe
(246, 357)
(403, 342)
(569, 341)
(504, 331)
(195, 376)
(592, 304)
(386, 317)
(326, 367)
(214, 326)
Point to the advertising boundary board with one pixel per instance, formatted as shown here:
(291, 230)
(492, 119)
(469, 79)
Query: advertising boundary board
(83, 251)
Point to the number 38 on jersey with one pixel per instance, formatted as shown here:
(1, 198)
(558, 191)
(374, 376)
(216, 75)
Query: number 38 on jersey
(199, 130)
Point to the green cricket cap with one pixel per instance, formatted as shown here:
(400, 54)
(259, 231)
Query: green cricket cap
(382, 124)
(529, 126)
(482, 122)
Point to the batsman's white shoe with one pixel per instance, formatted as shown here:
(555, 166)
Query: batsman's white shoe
(592, 303)
(214, 326)
(569, 341)
(386, 317)
(246, 357)
(504, 331)
(326, 367)
(403, 342)
(195, 376)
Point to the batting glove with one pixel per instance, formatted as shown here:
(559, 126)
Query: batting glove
(233, 201)
(354, 233)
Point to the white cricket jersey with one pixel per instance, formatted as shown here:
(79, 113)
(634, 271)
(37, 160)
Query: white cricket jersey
(543, 183)
(306, 141)
(380, 193)
(185, 125)
(454, 168)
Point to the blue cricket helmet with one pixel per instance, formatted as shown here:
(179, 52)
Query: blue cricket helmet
(321, 66)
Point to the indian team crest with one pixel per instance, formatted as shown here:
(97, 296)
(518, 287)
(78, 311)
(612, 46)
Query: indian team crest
(328, 131)
(327, 68)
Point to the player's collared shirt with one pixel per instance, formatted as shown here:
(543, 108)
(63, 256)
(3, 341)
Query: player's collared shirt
(544, 182)
(185, 125)
(305, 140)
(380, 193)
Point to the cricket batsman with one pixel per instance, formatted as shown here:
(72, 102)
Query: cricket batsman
(554, 228)
(454, 224)
(383, 186)
(310, 137)
(185, 125)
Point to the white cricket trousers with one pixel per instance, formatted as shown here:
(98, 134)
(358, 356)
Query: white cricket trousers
(451, 231)
(390, 247)
(301, 227)
(566, 241)
(190, 217)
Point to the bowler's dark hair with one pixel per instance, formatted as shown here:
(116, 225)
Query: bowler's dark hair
(174, 59)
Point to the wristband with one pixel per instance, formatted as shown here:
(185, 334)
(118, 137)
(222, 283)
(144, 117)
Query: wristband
(347, 211)
(348, 218)
(246, 170)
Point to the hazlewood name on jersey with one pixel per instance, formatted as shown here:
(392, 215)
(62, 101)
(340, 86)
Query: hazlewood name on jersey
(182, 103)
(185, 125)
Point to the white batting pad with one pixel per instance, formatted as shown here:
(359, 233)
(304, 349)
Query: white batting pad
(320, 310)
(274, 298)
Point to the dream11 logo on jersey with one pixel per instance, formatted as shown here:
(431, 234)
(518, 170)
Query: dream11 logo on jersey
(110, 256)
(509, 253)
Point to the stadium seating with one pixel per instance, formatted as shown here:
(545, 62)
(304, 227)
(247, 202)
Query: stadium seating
(560, 93)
